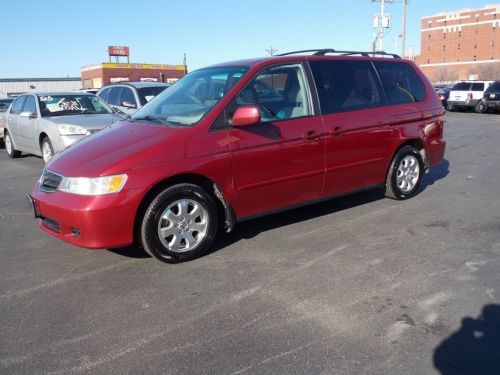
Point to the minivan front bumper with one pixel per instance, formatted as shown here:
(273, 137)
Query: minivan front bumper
(94, 222)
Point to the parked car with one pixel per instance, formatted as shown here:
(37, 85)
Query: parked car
(491, 99)
(443, 95)
(128, 97)
(4, 105)
(198, 158)
(467, 95)
(46, 123)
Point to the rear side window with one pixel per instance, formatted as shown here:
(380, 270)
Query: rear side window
(346, 85)
(401, 83)
(478, 86)
(461, 86)
(17, 106)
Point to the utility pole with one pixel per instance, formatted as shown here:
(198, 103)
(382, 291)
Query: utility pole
(381, 21)
(403, 33)
(271, 51)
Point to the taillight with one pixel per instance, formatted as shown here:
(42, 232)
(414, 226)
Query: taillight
(441, 96)
(469, 96)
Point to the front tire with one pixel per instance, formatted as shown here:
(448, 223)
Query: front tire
(46, 149)
(405, 174)
(180, 223)
(9, 146)
(481, 107)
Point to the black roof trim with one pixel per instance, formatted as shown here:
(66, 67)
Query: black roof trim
(324, 51)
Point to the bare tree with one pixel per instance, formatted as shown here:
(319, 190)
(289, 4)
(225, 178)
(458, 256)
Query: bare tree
(490, 71)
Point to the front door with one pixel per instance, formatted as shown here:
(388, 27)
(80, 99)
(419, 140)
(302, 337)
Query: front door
(27, 125)
(278, 162)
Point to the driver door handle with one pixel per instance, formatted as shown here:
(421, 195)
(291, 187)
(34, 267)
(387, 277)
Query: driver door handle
(311, 136)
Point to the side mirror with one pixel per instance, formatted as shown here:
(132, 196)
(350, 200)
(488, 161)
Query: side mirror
(246, 115)
(129, 105)
(28, 114)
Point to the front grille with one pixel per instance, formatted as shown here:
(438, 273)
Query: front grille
(50, 181)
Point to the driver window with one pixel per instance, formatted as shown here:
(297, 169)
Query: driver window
(127, 96)
(30, 105)
(280, 92)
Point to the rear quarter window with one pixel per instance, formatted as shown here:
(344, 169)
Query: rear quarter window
(478, 86)
(400, 82)
(461, 86)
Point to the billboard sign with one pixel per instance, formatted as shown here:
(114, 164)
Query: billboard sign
(118, 51)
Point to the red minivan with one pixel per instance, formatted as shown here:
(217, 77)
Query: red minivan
(237, 140)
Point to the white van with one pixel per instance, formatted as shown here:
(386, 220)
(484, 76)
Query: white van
(467, 94)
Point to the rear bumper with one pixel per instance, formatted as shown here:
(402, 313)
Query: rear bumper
(100, 222)
(464, 103)
(435, 151)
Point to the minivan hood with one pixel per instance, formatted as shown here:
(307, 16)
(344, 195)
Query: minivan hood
(88, 121)
(115, 149)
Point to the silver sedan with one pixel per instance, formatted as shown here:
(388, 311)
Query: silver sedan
(45, 123)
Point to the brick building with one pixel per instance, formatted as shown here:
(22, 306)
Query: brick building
(98, 75)
(461, 45)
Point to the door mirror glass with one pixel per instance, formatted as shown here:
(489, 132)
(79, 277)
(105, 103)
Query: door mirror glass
(246, 115)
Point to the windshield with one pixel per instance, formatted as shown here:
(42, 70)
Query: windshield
(71, 104)
(148, 93)
(191, 98)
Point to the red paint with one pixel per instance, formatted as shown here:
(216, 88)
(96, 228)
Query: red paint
(258, 168)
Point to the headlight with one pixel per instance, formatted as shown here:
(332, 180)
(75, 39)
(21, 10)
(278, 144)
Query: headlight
(93, 186)
(71, 130)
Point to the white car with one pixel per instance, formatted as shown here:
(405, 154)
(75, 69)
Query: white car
(467, 94)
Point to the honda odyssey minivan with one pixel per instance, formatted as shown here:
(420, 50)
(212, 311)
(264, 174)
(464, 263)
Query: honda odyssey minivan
(241, 139)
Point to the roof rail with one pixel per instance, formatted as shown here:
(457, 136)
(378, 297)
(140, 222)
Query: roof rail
(324, 51)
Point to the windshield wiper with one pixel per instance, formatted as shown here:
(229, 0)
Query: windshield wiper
(150, 119)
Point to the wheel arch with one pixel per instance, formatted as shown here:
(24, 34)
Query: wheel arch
(41, 136)
(224, 209)
(414, 142)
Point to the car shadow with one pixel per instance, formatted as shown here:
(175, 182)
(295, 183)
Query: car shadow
(474, 348)
(251, 228)
(436, 173)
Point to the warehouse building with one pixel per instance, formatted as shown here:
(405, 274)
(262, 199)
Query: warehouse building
(461, 45)
(18, 86)
(96, 76)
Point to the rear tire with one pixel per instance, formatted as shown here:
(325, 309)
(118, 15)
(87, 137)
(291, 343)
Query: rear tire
(46, 149)
(9, 146)
(481, 107)
(180, 223)
(405, 174)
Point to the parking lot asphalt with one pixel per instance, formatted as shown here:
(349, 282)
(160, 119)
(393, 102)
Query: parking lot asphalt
(360, 284)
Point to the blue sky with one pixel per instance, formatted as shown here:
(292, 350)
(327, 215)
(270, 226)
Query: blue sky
(54, 38)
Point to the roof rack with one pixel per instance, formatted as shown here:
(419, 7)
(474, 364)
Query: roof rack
(324, 51)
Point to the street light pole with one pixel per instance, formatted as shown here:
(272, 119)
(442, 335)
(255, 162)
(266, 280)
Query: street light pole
(403, 33)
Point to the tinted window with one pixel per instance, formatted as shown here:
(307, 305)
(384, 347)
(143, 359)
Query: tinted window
(461, 86)
(127, 96)
(495, 87)
(104, 94)
(148, 93)
(401, 83)
(114, 96)
(29, 105)
(17, 106)
(478, 86)
(346, 85)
